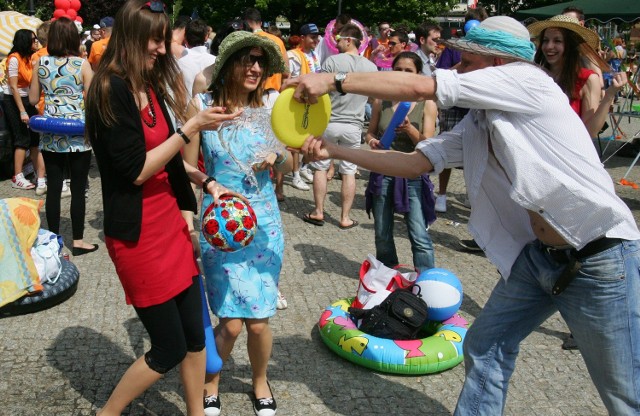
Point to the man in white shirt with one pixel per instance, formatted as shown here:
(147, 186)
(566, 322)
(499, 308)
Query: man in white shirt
(427, 36)
(543, 209)
(198, 56)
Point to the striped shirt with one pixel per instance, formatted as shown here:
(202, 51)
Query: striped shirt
(543, 161)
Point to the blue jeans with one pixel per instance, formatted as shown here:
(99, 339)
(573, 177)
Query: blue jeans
(421, 244)
(601, 306)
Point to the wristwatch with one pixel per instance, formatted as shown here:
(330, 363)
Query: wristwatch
(206, 183)
(337, 79)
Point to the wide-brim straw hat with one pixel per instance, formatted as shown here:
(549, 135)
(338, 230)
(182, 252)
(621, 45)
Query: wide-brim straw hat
(236, 41)
(590, 37)
(511, 40)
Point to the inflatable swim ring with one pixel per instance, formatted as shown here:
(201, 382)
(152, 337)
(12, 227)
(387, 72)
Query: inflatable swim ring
(439, 351)
(62, 126)
(331, 41)
(51, 295)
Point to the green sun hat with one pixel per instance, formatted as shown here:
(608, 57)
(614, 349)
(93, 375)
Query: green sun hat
(236, 41)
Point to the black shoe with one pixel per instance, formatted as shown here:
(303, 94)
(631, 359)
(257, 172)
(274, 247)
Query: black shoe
(470, 245)
(79, 251)
(570, 343)
(265, 406)
(212, 405)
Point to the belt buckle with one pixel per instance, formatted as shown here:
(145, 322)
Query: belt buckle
(557, 254)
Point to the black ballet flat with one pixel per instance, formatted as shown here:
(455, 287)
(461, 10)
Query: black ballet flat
(79, 251)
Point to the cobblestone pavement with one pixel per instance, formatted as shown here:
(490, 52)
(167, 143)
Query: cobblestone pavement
(66, 360)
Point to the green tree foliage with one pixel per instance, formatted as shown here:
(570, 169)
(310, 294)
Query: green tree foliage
(408, 12)
(509, 7)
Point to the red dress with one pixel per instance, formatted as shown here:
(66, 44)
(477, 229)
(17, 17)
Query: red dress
(161, 264)
(576, 103)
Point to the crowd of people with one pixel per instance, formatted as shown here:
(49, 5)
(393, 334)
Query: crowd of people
(517, 116)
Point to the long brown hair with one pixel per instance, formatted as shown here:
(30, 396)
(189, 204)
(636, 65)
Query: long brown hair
(571, 62)
(225, 88)
(63, 38)
(126, 56)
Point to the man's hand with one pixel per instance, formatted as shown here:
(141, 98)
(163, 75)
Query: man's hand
(310, 86)
(316, 148)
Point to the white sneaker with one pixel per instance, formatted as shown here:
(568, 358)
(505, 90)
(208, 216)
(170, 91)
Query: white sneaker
(282, 302)
(298, 183)
(306, 175)
(66, 192)
(41, 190)
(441, 203)
(20, 182)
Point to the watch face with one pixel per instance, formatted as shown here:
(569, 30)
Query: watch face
(340, 76)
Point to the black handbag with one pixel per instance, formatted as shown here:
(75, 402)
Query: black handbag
(400, 316)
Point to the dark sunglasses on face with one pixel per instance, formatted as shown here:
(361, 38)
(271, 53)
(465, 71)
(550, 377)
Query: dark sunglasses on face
(251, 60)
(155, 6)
(393, 43)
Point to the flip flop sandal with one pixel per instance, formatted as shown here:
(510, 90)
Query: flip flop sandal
(314, 221)
(346, 227)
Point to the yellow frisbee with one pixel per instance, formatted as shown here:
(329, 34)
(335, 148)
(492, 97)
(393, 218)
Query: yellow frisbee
(293, 122)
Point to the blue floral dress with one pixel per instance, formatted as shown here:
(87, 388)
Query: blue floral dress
(63, 86)
(243, 284)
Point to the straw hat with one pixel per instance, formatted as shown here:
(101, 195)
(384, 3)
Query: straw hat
(240, 40)
(590, 37)
(499, 36)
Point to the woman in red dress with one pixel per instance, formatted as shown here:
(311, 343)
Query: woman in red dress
(134, 96)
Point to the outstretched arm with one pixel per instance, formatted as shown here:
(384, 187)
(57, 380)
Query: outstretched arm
(389, 85)
(387, 162)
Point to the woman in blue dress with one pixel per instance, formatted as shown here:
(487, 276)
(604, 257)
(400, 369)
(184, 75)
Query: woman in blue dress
(242, 286)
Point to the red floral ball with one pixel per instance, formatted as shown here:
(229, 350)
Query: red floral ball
(231, 225)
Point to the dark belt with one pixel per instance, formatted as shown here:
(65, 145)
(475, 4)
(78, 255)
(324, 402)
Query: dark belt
(571, 257)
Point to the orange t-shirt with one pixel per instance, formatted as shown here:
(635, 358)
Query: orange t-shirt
(275, 80)
(35, 58)
(97, 50)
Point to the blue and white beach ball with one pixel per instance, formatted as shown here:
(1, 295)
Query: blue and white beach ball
(442, 291)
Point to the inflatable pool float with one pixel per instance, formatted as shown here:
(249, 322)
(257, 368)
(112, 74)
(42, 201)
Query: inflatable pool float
(439, 350)
(51, 295)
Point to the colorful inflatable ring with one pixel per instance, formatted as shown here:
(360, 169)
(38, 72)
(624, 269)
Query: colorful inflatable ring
(440, 351)
(331, 41)
(61, 126)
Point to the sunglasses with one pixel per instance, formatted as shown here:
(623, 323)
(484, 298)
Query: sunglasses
(338, 37)
(34, 40)
(237, 25)
(250, 60)
(155, 6)
(393, 43)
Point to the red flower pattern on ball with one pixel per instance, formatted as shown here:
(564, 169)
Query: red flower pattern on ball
(229, 226)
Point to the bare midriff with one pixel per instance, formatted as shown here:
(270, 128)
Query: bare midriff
(544, 231)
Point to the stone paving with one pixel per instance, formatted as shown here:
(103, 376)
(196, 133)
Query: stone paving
(66, 360)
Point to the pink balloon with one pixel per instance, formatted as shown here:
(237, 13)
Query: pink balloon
(75, 4)
(58, 13)
(79, 19)
(62, 4)
(72, 14)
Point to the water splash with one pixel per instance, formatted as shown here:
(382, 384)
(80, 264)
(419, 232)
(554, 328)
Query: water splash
(249, 139)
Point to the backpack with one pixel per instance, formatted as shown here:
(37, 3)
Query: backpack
(400, 316)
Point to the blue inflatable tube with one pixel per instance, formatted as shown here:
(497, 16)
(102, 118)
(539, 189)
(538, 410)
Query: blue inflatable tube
(214, 362)
(397, 119)
(61, 126)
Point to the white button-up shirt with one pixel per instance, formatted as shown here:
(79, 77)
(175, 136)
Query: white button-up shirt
(191, 64)
(543, 161)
